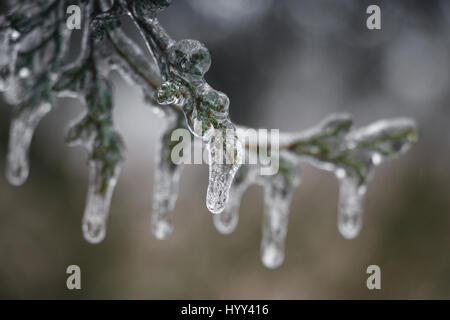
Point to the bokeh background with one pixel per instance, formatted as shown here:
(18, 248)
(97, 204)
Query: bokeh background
(286, 65)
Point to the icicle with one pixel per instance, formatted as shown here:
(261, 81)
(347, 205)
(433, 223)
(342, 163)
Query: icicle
(350, 208)
(223, 165)
(369, 146)
(165, 191)
(95, 133)
(164, 197)
(98, 200)
(226, 221)
(206, 113)
(277, 196)
(28, 86)
(20, 135)
(106, 153)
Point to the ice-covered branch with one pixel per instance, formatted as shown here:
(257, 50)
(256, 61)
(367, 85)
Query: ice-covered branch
(33, 72)
(33, 43)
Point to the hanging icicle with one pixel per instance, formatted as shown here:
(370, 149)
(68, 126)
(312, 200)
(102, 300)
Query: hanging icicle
(278, 192)
(206, 112)
(21, 132)
(165, 186)
(226, 221)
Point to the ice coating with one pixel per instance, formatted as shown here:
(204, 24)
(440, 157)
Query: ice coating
(277, 198)
(223, 165)
(205, 108)
(157, 40)
(372, 145)
(206, 113)
(165, 187)
(8, 56)
(150, 8)
(190, 59)
(352, 157)
(384, 139)
(94, 132)
(105, 152)
(20, 134)
(350, 207)
(164, 197)
(31, 45)
(120, 53)
(100, 190)
(226, 221)
(28, 67)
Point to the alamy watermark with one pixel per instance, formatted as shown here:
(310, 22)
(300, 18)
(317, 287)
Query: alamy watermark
(74, 280)
(373, 22)
(374, 280)
(74, 20)
(245, 146)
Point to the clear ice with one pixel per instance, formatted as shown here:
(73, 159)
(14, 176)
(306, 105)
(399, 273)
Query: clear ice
(165, 188)
(226, 221)
(278, 191)
(206, 113)
(351, 154)
(223, 165)
(20, 134)
(371, 145)
(100, 190)
(36, 51)
(351, 195)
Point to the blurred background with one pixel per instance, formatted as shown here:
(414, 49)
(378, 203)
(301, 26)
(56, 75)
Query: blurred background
(286, 65)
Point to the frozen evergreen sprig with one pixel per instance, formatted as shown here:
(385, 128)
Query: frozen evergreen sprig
(34, 71)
